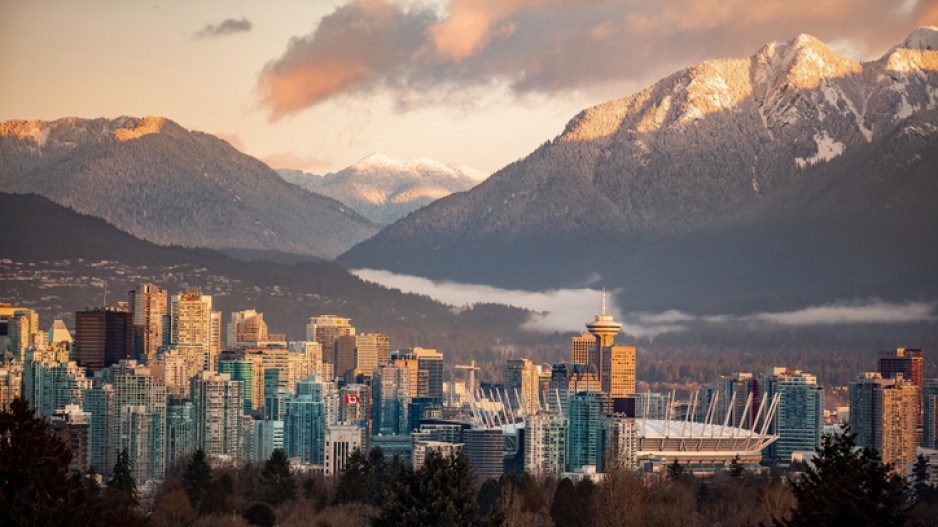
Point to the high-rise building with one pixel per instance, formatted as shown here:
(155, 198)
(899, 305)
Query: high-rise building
(431, 361)
(905, 361)
(11, 383)
(305, 359)
(103, 337)
(305, 422)
(799, 420)
(241, 370)
(341, 440)
(22, 329)
(268, 436)
(732, 393)
(621, 437)
(884, 415)
(49, 385)
(360, 354)
(139, 419)
(418, 380)
(583, 349)
(930, 415)
(586, 424)
(148, 303)
(248, 329)
(545, 444)
(391, 396)
(568, 379)
(219, 404)
(485, 448)
(616, 365)
(73, 426)
(191, 327)
(100, 402)
(59, 335)
(180, 432)
(325, 329)
(522, 382)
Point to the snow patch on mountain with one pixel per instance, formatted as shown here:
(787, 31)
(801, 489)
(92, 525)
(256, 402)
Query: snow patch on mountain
(827, 148)
(385, 189)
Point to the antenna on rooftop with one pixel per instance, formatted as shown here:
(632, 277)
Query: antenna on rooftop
(105, 295)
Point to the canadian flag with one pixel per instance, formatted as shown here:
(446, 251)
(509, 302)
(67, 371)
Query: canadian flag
(351, 399)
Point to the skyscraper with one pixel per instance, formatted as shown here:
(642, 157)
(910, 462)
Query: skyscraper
(930, 415)
(522, 381)
(907, 361)
(325, 329)
(305, 422)
(799, 420)
(219, 404)
(103, 337)
(431, 361)
(390, 391)
(191, 329)
(148, 305)
(883, 414)
(360, 354)
(616, 364)
(485, 449)
(246, 328)
(140, 418)
(586, 422)
(621, 437)
(545, 444)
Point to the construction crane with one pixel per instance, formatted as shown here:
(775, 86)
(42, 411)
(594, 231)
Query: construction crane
(472, 368)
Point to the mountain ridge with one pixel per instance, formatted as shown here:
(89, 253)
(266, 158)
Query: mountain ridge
(716, 147)
(154, 179)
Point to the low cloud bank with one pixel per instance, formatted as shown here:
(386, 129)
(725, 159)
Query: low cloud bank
(569, 309)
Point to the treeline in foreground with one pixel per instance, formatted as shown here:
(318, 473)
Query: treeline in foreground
(845, 486)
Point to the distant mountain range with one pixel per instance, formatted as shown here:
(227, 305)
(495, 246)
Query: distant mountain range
(160, 182)
(58, 261)
(385, 190)
(791, 177)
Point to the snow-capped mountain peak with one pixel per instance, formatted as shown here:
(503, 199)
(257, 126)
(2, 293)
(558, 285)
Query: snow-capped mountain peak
(385, 189)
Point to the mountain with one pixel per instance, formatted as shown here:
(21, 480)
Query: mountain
(152, 178)
(795, 175)
(58, 261)
(385, 190)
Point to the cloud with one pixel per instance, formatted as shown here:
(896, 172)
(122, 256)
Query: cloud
(873, 312)
(570, 309)
(229, 26)
(549, 46)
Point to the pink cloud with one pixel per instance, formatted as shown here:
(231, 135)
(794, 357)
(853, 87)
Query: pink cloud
(547, 46)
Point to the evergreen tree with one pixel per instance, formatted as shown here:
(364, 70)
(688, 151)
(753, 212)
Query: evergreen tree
(923, 489)
(675, 471)
(122, 489)
(277, 479)
(572, 504)
(197, 477)
(738, 470)
(352, 487)
(35, 485)
(848, 487)
(440, 493)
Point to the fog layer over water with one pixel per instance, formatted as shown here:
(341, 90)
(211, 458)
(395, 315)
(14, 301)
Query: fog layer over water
(570, 309)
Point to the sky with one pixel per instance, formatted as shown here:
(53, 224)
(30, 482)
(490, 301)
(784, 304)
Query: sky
(317, 84)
